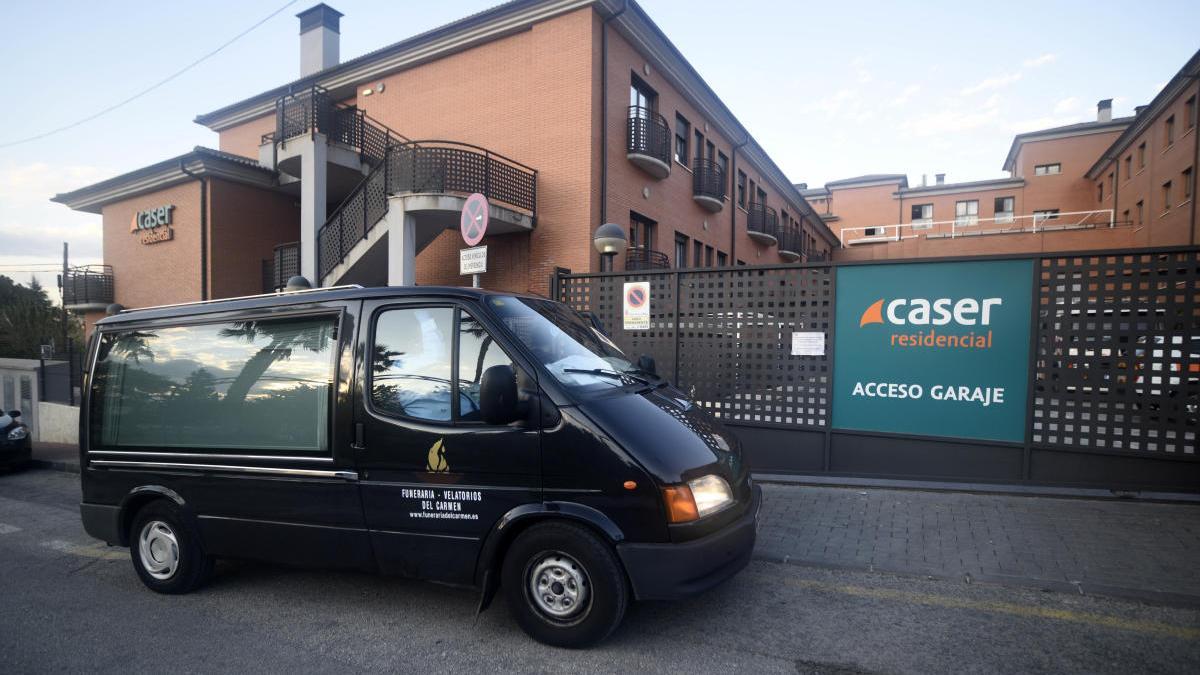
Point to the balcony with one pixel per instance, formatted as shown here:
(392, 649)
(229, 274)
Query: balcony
(637, 258)
(648, 144)
(1004, 223)
(283, 265)
(762, 224)
(791, 244)
(88, 288)
(708, 184)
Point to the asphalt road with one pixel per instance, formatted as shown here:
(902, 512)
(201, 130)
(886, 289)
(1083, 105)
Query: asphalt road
(68, 603)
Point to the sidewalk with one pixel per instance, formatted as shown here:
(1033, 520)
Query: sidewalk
(1139, 550)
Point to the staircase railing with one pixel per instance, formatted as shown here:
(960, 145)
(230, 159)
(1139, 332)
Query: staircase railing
(313, 110)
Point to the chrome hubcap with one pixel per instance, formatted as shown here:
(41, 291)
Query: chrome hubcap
(559, 585)
(158, 549)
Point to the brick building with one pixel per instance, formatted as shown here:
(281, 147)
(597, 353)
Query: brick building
(358, 171)
(1109, 183)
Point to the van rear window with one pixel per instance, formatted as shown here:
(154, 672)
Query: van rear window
(259, 385)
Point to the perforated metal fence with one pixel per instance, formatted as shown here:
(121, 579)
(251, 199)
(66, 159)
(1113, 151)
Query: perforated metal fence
(1114, 376)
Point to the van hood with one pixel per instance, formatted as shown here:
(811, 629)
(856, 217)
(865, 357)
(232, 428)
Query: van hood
(668, 434)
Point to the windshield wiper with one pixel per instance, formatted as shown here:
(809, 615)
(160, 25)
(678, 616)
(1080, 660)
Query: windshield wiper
(607, 373)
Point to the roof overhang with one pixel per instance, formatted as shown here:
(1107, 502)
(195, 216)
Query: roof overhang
(167, 173)
(959, 188)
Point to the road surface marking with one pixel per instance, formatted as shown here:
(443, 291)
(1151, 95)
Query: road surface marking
(87, 551)
(997, 607)
(5, 528)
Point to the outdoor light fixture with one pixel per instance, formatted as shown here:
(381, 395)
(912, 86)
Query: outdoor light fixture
(609, 240)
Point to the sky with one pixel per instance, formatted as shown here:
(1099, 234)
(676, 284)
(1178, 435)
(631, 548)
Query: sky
(830, 90)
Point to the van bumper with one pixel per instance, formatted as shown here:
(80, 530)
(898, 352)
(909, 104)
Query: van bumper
(674, 571)
(102, 522)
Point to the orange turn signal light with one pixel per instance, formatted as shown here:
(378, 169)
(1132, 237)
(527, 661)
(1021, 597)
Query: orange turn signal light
(681, 505)
(630, 485)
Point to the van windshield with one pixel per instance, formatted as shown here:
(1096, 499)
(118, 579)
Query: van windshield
(575, 352)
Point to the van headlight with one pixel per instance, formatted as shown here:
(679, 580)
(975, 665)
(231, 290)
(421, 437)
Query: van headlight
(697, 498)
(18, 434)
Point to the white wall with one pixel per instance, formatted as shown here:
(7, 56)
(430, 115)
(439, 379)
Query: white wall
(57, 423)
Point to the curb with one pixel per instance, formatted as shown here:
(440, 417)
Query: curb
(1086, 589)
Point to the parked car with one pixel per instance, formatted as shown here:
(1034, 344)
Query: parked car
(490, 440)
(16, 445)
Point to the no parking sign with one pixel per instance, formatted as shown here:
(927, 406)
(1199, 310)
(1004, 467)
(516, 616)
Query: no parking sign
(637, 305)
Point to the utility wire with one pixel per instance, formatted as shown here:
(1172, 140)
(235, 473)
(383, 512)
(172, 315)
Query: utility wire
(152, 87)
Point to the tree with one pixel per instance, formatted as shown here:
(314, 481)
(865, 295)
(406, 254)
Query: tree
(28, 320)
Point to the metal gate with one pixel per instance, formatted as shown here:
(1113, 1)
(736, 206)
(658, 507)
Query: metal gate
(1114, 371)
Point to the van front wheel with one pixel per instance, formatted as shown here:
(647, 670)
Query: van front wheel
(564, 585)
(166, 550)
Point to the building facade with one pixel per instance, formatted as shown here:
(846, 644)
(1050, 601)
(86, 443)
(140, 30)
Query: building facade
(1107, 184)
(566, 115)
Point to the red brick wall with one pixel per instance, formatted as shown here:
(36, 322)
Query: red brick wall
(160, 273)
(245, 138)
(245, 225)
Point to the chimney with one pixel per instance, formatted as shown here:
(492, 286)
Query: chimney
(319, 38)
(924, 180)
(1137, 110)
(940, 178)
(1104, 110)
(802, 186)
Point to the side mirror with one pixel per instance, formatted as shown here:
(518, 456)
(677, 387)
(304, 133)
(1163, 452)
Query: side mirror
(498, 395)
(14, 414)
(645, 363)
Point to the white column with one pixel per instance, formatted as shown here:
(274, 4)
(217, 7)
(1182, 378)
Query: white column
(313, 186)
(402, 244)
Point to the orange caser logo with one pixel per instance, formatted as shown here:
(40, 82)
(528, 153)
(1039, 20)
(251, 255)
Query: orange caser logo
(874, 314)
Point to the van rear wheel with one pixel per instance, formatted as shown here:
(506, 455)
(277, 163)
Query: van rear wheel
(166, 550)
(564, 585)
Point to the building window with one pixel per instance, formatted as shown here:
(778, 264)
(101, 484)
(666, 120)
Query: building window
(681, 250)
(1043, 215)
(1169, 131)
(1190, 113)
(1004, 209)
(966, 212)
(1100, 192)
(1166, 196)
(1125, 219)
(722, 259)
(1141, 212)
(682, 130)
(1047, 169)
(1142, 156)
(642, 97)
(708, 256)
(1128, 167)
(1187, 183)
(697, 254)
(760, 196)
(709, 150)
(741, 189)
(1112, 182)
(922, 216)
(699, 145)
(723, 165)
(641, 231)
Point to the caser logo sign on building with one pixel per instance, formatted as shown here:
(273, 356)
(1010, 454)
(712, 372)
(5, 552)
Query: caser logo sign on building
(946, 356)
(153, 225)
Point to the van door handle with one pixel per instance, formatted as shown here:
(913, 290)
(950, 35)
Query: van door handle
(358, 437)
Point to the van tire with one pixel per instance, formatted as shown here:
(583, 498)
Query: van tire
(560, 550)
(182, 564)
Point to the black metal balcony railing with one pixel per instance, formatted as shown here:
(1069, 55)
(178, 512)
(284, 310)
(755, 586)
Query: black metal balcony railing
(313, 110)
(283, 265)
(88, 285)
(708, 179)
(424, 166)
(791, 240)
(637, 258)
(649, 135)
(763, 219)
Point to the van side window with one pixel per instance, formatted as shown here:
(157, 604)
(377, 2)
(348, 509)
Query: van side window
(477, 352)
(263, 385)
(410, 363)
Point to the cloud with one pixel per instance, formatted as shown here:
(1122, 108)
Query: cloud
(834, 104)
(953, 117)
(906, 95)
(1066, 105)
(1039, 61)
(1039, 123)
(996, 82)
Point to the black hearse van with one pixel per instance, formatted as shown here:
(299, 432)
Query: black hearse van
(457, 435)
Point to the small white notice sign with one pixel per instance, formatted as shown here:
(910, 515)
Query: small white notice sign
(808, 344)
(636, 313)
(472, 260)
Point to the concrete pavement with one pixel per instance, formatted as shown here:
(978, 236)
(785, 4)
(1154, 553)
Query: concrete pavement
(70, 603)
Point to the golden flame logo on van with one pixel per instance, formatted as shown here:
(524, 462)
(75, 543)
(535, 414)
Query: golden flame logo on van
(436, 460)
(874, 314)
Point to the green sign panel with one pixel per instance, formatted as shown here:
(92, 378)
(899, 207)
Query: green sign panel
(937, 349)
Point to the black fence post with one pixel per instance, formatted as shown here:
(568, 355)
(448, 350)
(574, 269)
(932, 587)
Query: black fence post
(70, 374)
(1031, 386)
(678, 285)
